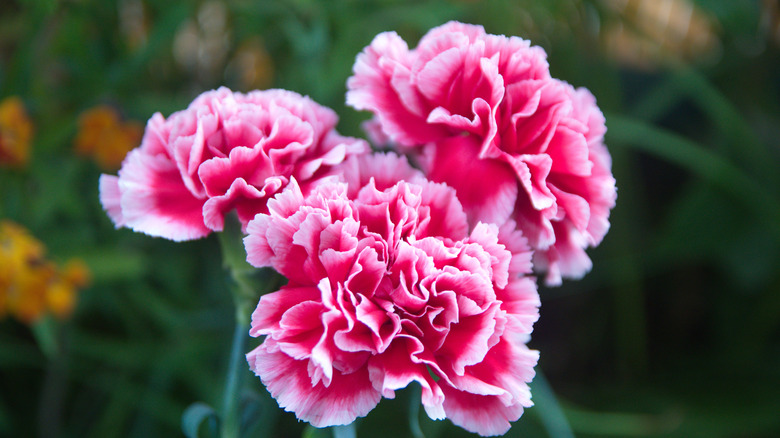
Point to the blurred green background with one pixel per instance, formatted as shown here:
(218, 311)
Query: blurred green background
(675, 332)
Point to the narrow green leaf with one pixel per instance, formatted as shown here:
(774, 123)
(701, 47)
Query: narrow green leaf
(699, 161)
(547, 408)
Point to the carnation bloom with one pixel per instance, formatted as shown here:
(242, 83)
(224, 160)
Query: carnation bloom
(387, 288)
(225, 151)
(481, 113)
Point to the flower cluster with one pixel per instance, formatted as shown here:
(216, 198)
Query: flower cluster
(105, 137)
(396, 275)
(387, 288)
(16, 131)
(532, 144)
(31, 285)
(225, 151)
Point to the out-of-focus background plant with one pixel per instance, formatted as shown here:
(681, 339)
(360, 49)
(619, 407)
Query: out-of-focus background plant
(675, 332)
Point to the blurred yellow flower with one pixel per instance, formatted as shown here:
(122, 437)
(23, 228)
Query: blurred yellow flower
(105, 137)
(30, 285)
(651, 33)
(15, 132)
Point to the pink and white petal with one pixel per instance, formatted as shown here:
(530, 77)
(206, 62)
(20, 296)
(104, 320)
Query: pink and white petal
(487, 237)
(467, 342)
(532, 172)
(518, 60)
(396, 368)
(306, 169)
(586, 110)
(367, 272)
(288, 201)
(438, 66)
(246, 128)
(576, 207)
(445, 217)
(482, 414)
(248, 201)
(300, 329)
(567, 257)
(536, 130)
(568, 150)
(386, 169)
(373, 129)
(188, 150)
(372, 329)
(520, 300)
(249, 164)
(348, 397)
(536, 225)
(602, 193)
(487, 188)
(155, 201)
(270, 309)
(274, 248)
(110, 198)
(290, 138)
(516, 243)
(323, 119)
(378, 73)
(504, 372)
(473, 32)
(155, 139)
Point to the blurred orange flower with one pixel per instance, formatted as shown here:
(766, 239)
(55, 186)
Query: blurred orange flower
(251, 67)
(105, 137)
(30, 285)
(15, 132)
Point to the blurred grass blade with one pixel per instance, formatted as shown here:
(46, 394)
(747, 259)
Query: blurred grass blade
(699, 161)
(547, 408)
(45, 330)
(742, 140)
(194, 417)
(623, 424)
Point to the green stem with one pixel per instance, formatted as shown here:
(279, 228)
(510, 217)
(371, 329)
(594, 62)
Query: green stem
(347, 431)
(231, 424)
(248, 283)
(244, 292)
(414, 411)
(244, 289)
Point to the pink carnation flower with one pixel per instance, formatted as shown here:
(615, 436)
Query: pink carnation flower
(225, 151)
(481, 113)
(385, 289)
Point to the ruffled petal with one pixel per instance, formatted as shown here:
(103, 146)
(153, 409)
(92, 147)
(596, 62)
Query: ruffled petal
(380, 83)
(155, 201)
(399, 366)
(111, 198)
(348, 396)
(487, 189)
(494, 392)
